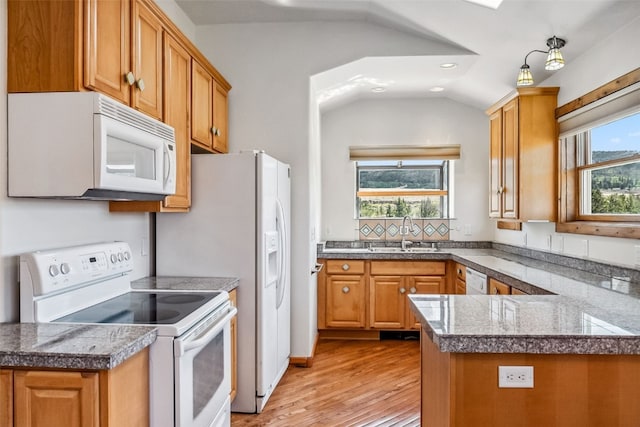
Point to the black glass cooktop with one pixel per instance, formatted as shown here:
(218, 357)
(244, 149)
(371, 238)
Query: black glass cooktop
(148, 308)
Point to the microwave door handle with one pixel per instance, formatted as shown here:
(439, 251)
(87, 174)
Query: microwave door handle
(184, 347)
(167, 163)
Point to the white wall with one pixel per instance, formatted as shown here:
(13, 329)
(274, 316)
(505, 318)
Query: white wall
(29, 225)
(613, 57)
(269, 66)
(409, 121)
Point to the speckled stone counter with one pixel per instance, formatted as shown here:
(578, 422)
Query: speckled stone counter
(593, 309)
(187, 283)
(49, 345)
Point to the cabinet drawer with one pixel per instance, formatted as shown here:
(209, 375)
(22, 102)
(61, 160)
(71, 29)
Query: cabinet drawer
(337, 266)
(461, 272)
(409, 268)
(498, 288)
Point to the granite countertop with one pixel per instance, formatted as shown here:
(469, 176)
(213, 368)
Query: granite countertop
(51, 345)
(589, 310)
(178, 283)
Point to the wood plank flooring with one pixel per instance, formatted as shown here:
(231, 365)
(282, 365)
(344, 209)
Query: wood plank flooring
(351, 383)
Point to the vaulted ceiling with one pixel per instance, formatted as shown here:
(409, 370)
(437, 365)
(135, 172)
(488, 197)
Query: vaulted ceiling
(494, 39)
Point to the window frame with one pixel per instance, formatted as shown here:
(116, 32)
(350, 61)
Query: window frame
(445, 169)
(570, 219)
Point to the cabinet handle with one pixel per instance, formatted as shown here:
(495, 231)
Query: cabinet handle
(403, 290)
(413, 290)
(345, 290)
(345, 267)
(140, 85)
(130, 78)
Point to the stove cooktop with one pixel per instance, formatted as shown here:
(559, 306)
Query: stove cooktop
(143, 308)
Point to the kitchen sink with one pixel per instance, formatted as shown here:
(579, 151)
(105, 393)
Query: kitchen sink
(400, 250)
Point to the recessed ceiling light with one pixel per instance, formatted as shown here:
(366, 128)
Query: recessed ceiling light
(448, 65)
(436, 89)
(378, 89)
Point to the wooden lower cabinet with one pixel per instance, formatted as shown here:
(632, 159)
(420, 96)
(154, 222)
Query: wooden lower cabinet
(498, 288)
(233, 297)
(577, 390)
(373, 295)
(6, 398)
(57, 398)
(345, 301)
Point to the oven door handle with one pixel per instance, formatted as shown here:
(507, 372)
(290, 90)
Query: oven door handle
(201, 340)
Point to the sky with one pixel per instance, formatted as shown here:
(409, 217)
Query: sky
(623, 134)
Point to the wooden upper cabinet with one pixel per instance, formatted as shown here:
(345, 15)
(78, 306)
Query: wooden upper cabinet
(177, 89)
(523, 156)
(147, 61)
(209, 112)
(202, 87)
(107, 54)
(220, 119)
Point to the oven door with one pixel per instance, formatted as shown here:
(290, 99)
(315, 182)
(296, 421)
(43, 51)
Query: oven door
(203, 371)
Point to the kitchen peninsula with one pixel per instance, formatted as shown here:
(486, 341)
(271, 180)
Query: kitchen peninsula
(579, 330)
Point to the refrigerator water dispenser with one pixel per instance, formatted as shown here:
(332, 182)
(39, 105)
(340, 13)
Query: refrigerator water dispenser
(271, 252)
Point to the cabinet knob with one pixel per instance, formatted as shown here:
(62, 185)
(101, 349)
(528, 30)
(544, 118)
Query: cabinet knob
(413, 290)
(140, 85)
(345, 267)
(213, 130)
(130, 78)
(496, 291)
(345, 290)
(217, 132)
(403, 290)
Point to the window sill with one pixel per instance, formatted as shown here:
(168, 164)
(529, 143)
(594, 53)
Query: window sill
(625, 230)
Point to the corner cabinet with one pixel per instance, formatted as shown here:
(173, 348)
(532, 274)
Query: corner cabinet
(523, 156)
(62, 398)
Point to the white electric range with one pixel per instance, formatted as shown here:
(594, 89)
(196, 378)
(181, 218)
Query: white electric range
(190, 362)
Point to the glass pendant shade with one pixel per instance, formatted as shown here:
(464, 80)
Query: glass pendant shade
(525, 78)
(555, 61)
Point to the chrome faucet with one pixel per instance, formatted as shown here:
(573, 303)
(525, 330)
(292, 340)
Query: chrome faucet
(405, 231)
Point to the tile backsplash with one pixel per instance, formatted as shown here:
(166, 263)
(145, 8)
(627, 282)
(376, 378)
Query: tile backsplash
(388, 229)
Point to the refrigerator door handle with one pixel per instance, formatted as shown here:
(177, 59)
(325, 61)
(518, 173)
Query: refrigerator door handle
(282, 235)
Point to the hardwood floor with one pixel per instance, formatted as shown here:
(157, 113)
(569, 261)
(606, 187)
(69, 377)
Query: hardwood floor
(351, 383)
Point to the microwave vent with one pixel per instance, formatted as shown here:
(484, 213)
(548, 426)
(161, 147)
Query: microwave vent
(112, 108)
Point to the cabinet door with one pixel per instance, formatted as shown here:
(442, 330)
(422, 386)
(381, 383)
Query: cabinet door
(177, 92)
(495, 167)
(6, 398)
(510, 160)
(107, 47)
(345, 302)
(422, 285)
(56, 399)
(387, 296)
(498, 288)
(201, 106)
(147, 61)
(220, 119)
(461, 287)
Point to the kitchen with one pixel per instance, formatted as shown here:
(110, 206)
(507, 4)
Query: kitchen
(32, 224)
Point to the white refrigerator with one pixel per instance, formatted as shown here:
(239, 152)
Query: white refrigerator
(239, 226)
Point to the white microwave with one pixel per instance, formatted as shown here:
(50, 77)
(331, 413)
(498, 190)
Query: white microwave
(85, 145)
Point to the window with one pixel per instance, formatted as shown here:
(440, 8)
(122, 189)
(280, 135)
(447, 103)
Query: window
(608, 160)
(395, 188)
(599, 160)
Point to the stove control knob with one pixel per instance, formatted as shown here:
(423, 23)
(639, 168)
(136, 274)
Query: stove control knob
(65, 268)
(114, 258)
(120, 257)
(53, 270)
(127, 255)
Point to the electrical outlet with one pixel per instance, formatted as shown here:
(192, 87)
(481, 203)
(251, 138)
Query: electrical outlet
(467, 229)
(515, 376)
